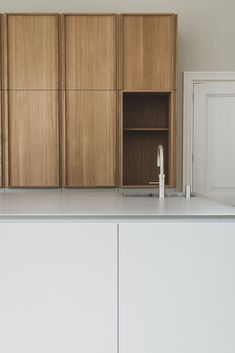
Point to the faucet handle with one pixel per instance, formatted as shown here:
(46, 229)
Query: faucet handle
(187, 191)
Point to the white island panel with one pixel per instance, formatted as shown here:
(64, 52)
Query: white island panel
(58, 288)
(177, 287)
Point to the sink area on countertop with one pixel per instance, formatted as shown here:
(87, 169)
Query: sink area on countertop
(152, 194)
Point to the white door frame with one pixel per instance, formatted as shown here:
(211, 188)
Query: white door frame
(190, 78)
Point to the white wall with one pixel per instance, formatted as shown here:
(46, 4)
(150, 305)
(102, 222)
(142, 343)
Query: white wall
(206, 32)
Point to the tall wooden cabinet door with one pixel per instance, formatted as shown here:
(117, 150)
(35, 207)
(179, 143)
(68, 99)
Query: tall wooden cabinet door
(32, 42)
(90, 51)
(149, 43)
(1, 174)
(33, 151)
(90, 138)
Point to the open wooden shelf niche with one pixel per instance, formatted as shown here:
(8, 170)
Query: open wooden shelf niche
(147, 122)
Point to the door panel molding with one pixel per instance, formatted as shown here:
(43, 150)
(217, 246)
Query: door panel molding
(190, 79)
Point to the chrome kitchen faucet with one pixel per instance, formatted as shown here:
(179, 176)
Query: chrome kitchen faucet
(160, 163)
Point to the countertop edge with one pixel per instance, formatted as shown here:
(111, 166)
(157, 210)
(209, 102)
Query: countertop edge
(113, 218)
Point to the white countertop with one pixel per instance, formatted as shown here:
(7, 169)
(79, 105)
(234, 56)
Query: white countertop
(105, 204)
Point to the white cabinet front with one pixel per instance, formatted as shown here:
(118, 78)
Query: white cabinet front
(177, 287)
(58, 290)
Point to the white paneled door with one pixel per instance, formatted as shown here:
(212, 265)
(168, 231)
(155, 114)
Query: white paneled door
(213, 171)
(58, 289)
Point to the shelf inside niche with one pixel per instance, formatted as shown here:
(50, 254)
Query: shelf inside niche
(145, 129)
(140, 157)
(146, 110)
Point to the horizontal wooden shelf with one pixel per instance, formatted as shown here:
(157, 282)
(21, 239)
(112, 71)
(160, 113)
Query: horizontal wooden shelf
(146, 129)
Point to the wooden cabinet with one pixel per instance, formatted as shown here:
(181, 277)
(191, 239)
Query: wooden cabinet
(90, 138)
(1, 154)
(148, 96)
(90, 52)
(149, 52)
(33, 146)
(177, 287)
(58, 287)
(32, 51)
(31, 100)
(116, 74)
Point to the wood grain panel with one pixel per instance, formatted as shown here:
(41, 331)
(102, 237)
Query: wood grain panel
(149, 52)
(33, 139)
(1, 51)
(5, 159)
(1, 171)
(32, 42)
(90, 138)
(90, 52)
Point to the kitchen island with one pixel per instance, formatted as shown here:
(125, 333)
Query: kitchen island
(93, 271)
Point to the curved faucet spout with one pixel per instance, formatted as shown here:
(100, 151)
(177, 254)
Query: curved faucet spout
(160, 159)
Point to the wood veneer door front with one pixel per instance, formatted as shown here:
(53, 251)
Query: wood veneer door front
(33, 149)
(1, 174)
(32, 43)
(149, 52)
(90, 52)
(90, 138)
